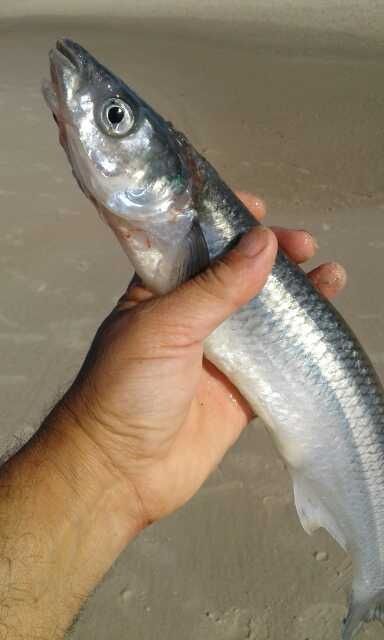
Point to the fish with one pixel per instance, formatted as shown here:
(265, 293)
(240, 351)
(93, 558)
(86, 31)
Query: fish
(288, 351)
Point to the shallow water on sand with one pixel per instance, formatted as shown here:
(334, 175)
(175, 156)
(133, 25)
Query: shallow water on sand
(302, 128)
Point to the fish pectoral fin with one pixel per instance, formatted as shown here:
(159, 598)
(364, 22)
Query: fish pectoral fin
(195, 254)
(312, 513)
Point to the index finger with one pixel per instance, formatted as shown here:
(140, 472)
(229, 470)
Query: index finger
(254, 204)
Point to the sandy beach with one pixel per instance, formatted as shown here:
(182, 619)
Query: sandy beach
(303, 128)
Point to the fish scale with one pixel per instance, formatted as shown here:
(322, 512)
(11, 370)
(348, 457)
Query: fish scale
(288, 351)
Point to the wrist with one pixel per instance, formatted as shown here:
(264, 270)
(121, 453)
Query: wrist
(85, 473)
(66, 516)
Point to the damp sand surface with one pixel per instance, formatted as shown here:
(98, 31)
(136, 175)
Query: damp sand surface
(302, 127)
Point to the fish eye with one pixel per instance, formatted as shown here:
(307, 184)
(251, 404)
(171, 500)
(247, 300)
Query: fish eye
(117, 117)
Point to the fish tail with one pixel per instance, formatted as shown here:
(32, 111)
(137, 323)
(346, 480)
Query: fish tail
(361, 611)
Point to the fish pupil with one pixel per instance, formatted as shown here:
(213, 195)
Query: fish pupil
(115, 114)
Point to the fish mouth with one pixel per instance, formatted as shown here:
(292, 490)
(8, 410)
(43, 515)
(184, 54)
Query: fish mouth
(70, 50)
(66, 54)
(66, 63)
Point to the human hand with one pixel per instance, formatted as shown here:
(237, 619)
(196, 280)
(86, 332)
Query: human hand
(161, 414)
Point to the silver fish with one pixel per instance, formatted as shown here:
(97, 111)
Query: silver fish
(288, 351)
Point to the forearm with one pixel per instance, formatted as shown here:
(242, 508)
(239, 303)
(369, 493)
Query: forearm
(65, 515)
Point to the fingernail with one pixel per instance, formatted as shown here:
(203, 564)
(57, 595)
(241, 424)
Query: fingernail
(258, 203)
(253, 242)
(311, 238)
(335, 276)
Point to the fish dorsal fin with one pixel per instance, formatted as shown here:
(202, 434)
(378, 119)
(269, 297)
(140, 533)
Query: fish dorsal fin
(312, 513)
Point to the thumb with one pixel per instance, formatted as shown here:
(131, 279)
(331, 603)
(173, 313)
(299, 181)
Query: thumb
(198, 306)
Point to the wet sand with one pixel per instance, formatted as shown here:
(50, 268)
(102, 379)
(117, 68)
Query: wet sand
(303, 127)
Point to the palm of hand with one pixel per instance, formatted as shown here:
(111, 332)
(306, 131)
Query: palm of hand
(173, 416)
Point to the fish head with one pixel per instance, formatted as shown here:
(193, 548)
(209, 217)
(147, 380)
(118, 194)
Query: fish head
(124, 156)
(131, 164)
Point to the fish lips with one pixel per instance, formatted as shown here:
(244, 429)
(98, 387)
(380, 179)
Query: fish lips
(67, 65)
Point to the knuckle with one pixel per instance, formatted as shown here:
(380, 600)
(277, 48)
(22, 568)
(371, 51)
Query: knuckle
(217, 281)
(156, 327)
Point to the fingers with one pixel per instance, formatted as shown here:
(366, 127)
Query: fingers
(255, 205)
(298, 244)
(329, 278)
(191, 312)
(134, 295)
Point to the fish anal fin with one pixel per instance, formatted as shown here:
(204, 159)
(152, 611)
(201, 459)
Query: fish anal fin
(312, 513)
(360, 611)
